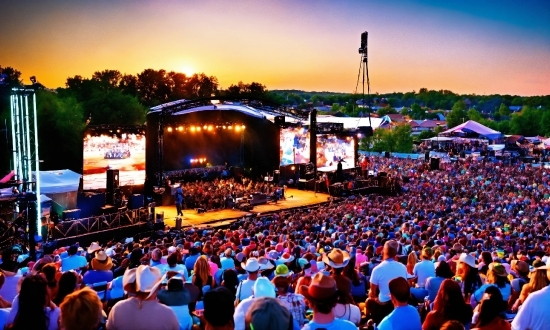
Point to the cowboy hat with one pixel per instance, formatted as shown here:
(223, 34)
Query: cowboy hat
(101, 262)
(282, 270)
(148, 279)
(468, 259)
(252, 265)
(322, 287)
(286, 257)
(273, 255)
(264, 288)
(336, 258)
(498, 269)
(94, 247)
(265, 263)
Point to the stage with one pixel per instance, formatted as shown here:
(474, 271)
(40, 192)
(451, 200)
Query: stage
(226, 216)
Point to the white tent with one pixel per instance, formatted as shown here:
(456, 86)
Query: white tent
(60, 181)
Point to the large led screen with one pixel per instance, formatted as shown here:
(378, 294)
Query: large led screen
(294, 146)
(332, 148)
(122, 149)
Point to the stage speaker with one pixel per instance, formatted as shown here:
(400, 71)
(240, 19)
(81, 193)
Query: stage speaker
(178, 223)
(427, 156)
(113, 180)
(387, 154)
(279, 120)
(434, 164)
(276, 176)
(71, 214)
(136, 201)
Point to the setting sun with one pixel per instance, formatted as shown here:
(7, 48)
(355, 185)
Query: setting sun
(187, 70)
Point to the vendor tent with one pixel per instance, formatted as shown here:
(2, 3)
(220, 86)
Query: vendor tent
(473, 127)
(60, 181)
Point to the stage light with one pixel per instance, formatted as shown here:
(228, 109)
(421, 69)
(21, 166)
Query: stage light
(210, 127)
(169, 129)
(243, 127)
(118, 131)
(88, 136)
(180, 128)
(198, 128)
(224, 127)
(237, 128)
(230, 127)
(292, 168)
(192, 128)
(359, 135)
(204, 127)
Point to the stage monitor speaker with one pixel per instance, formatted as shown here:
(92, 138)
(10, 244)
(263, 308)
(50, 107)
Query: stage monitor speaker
(178, 223)
(113, 180)
(279, 120)
(71, 214)
(136, 201)
(434, 164)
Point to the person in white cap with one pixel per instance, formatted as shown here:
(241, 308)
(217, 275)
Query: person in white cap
(142, 311)
(262, 288)
(244, 290)
(535, 311)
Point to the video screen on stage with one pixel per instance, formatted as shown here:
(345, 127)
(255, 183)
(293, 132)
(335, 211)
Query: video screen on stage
(331, 148)
(294, 146)
(121, 149)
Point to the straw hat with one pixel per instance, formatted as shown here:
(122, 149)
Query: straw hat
(252, 265)
(336, 258)
(322, 287)
(102, 262)
(468, 259)
(94, 247)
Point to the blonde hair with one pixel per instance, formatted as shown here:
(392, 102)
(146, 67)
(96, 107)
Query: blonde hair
(81, 310)
(537, 281)
(202, 269)
(412, 260)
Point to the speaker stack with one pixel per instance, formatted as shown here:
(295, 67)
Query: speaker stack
(113, 182)
(434, 164)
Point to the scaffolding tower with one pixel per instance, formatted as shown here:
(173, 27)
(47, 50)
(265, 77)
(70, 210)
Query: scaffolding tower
(24, 134)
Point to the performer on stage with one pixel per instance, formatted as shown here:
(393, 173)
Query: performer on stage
(364, 166)
(179, 200)
(339, 171)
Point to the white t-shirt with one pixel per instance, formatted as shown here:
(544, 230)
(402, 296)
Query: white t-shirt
(240, 313)
(347, 312)
(423, 270)
(53, 315)
(73, 262)
(337, 324)
(244, 289)
(9, 289)
(383, 273)
(535, 311)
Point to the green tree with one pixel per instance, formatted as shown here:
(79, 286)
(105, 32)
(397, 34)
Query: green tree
(335, 107)
(403, 138)
(527, 122)
(426, 135)
(473, 114)
(503, 110)
(457, 115)
(405, 111)
(386, 111)
(113, 107)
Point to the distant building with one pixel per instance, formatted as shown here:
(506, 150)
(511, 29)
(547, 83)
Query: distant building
(515, 108)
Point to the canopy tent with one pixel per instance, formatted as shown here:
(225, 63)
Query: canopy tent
(440, 139)
(473, 127)
(60, 181)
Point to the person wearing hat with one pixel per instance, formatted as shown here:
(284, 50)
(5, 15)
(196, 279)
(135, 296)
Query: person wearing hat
(176, 296)
(422, 271)
(262, 288)
(74, 260)
(379, 305)
(227, 260)
(468, 274)
(403, 316)
(496, 276)
(521, 269)
(245, 288)
(295, 302)
(269, 314)
(535, 311)
(322, 296)
(142, 311)
(94, 247)
(536, 282)
(101, 269)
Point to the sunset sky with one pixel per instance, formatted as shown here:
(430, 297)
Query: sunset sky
(467, 46)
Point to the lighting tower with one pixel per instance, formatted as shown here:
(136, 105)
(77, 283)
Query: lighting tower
(24, 134)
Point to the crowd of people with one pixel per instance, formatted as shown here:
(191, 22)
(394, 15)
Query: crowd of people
(463, 247)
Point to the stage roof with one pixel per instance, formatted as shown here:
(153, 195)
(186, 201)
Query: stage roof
(473, 127)
(60, 181)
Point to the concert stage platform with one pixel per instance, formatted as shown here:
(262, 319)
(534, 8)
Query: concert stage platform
(226, 216)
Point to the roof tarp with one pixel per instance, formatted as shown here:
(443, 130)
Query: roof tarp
(473, 127)
(440, 139)
(60, 181)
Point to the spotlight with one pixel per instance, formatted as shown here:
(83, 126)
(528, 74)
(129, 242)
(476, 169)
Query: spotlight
(237, 128)
(224, 127)
(198, 128)
(118, 131)
(88, 136)
(169, 129)
(359, 135)
(292, 168)
(180, 128)
(192, 128)
(204, 127)
(230, 127)
(210, 127)
(243, 127)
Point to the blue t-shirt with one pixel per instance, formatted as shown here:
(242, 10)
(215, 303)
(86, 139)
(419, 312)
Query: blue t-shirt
(405, 318)
(337, 324)
(96, 276)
